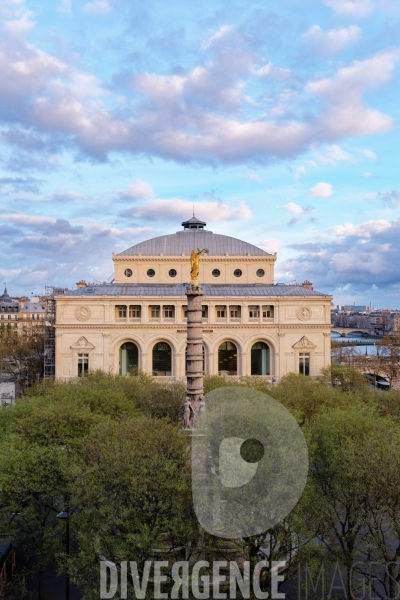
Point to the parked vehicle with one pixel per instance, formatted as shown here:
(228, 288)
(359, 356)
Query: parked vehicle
(378, 381)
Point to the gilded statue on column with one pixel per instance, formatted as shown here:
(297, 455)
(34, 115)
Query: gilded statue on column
(194, 261)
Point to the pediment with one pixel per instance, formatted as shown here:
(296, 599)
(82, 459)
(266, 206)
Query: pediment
(304, 342)
(82, 343)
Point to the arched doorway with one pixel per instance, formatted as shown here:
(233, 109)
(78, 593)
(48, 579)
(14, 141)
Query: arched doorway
(128, 358)
(162, 359)
(186, 361)
(227, 359)
(260, 359)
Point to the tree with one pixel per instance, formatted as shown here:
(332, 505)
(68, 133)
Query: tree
(22, 357)
(348, 378)
(134, 497)
(353, 492)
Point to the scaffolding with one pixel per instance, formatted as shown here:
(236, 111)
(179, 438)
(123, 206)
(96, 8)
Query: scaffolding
(50, 330)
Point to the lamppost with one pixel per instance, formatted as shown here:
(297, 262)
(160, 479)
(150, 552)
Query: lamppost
(65, 516)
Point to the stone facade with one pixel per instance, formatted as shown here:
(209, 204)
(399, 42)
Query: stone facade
(250, 325)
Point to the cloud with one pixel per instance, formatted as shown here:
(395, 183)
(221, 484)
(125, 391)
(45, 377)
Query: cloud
(173, 209)
(292, 207)
(205, 115)
(97, 7)
(271, 245)
(251, 175)
(223, 32)
(367, 153)
(352, 8)
(343, 114)
(10, 185)
(299, 171)
(360, 256)
(140, 190)
(299, 211)
(321, 190)
(332, 41)
(274, 72)
(332, 155)
(52, 250)
(389, 199)
(365, 230)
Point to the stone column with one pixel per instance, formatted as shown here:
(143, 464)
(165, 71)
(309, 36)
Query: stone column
(194, 364)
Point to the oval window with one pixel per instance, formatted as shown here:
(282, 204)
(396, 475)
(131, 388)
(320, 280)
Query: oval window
(128, 272)
(172, 273)
(260, 273)
(216, 273)
(151, 273)
(237, 272)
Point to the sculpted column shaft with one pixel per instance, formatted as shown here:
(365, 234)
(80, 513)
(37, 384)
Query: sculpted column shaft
(194, 362)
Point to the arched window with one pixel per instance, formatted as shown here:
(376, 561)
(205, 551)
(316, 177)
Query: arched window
(260, 359)
(162, 359)
(186, 360)
(128, 358)
(227, 359)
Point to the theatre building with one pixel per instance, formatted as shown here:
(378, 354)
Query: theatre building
(251, 326)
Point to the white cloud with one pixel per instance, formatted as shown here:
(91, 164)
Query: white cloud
(270, 245)
(251, 175)
(321, 190)
(367, 153)
(204, 115)
(223, 32)
(140, 190)
(365, 230)
(97, 7)
(352, 8)
(299, 171)
(332, 41)
(343, 112)
(332, 155)
(175, 208)
(294, 208)
(26, 220)
(270, 70)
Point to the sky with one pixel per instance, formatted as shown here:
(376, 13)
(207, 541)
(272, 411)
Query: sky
(277, 121)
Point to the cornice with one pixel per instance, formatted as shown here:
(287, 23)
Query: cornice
(186, 258)
(273, 300)
(175, 326)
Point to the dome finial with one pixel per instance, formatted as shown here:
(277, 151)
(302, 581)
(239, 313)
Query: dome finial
(194, 223)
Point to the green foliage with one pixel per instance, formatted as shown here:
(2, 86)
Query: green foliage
(21, 356)
(113, 448)
(346, 377)
(212, 382)
(134, 495)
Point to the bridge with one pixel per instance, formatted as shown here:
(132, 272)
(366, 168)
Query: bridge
(343, 331)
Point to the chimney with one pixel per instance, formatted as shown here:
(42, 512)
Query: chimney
(307, 284)
(81, 284)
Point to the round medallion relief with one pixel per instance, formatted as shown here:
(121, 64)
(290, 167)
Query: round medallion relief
(83, 313)
(303, 313)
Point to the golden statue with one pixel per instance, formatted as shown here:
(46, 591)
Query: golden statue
(194, 261)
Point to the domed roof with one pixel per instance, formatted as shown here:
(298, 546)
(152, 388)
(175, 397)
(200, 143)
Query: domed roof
(6, 301)
(192, 237)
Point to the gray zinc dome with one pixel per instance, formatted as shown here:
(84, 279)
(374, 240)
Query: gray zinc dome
(7, 303)
(192, 237)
